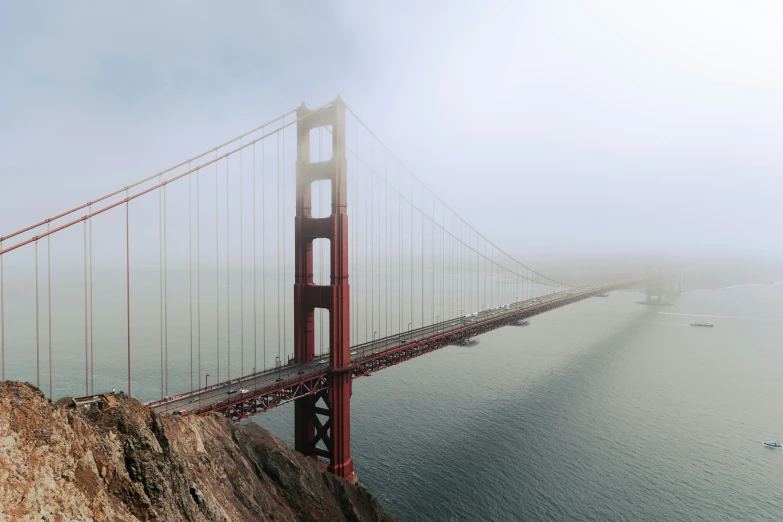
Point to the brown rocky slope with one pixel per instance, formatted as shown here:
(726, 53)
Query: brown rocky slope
(128, 463)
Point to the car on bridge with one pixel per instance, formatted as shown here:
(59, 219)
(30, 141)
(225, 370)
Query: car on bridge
(243, 391)
(231, 392)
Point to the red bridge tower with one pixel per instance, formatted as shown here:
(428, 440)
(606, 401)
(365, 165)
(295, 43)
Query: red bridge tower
(323, 421)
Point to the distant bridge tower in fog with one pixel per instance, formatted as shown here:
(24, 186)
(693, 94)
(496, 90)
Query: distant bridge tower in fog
(656, 283)
(662, 282)
(655, 289)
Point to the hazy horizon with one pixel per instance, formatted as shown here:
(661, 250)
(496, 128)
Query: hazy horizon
(622, 127)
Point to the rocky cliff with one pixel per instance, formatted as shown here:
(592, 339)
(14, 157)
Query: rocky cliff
(127, 463)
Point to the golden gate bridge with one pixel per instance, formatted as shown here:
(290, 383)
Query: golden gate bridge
(241, 264)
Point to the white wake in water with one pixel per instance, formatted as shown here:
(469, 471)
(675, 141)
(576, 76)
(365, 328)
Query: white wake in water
(722, 316)
(730, 287)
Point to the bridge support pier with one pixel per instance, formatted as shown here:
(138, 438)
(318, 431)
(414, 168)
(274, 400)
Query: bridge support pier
(322, 424)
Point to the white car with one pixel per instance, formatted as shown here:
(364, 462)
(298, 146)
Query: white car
(244, 391)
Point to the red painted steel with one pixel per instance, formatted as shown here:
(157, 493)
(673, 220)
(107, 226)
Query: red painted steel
(310, 429)
(136, 184)
(364, 363)
(245, 406)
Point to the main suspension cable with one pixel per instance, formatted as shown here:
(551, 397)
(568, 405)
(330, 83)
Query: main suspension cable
(145, 180)
(412, 174)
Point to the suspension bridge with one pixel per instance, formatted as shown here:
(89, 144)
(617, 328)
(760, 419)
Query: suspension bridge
(235, 264)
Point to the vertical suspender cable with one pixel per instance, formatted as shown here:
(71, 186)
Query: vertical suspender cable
(372, 244)
(399, 256)
(389, 298)
(354, 279)
(367, 312)
(198, 273)
(382, 265)
(127, 284)
(371, 222)
(217, 274)
(92, 323)
(2, 319)
(451, 266)
(383, 251)
(478, 258)
(285, 307)
(166, 286)
(228, 279)
(190, 270)
(366, 223)
(263, 248)
(49, 298)
(86, 338)
(470, 270)
(279, 343)
(241, 273)
(37, 329)
(422, 258)
(379, 236)
(458, 266)
(255, 259)
(480, 262)
(465, 264)
(160, 284)
(355, 222)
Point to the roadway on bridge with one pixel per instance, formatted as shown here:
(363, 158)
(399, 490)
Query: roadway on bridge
(292, 373)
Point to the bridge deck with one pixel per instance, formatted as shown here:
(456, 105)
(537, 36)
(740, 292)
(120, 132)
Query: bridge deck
(277, 386)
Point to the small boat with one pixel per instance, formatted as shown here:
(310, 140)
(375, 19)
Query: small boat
(702, 323)
(773, 444)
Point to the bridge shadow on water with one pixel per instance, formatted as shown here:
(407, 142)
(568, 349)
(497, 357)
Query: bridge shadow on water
(536, 455)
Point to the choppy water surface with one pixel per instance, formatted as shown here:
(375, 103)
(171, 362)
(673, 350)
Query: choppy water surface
(604, 410)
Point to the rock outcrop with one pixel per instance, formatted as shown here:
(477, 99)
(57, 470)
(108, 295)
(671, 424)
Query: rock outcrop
(128, 463)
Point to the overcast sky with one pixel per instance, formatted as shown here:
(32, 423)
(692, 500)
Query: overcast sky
(585, 125)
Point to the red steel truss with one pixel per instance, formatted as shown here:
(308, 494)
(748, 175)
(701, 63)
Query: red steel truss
(316, 385)
(261, 400)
